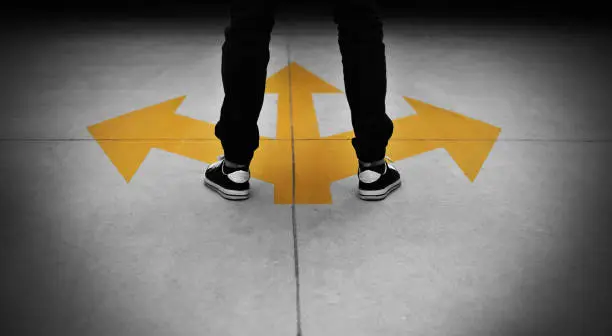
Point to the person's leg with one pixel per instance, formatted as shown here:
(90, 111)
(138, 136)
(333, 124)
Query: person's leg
(360, 38)
(245, 56)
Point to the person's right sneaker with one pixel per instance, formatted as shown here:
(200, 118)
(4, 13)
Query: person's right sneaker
(376, 182)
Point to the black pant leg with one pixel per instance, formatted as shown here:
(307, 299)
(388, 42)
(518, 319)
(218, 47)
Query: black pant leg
(245, 57)
(360, 38)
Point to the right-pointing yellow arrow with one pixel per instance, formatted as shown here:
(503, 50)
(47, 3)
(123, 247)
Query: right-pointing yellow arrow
(468, 141)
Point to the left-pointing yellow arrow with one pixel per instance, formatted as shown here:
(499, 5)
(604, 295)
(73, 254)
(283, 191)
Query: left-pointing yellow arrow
(127, 139)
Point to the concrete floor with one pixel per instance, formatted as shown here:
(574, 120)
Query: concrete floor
(521, 250)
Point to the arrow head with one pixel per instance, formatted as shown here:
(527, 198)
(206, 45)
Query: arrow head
(302, 81)
(127, 139)
(468, 141)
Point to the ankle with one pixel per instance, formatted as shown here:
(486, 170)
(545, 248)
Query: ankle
(234, 165)
(372, 163)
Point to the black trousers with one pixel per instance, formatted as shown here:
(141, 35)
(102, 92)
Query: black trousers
(245, 56)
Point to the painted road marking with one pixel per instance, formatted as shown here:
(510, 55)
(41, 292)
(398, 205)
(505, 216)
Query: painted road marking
(319, 161)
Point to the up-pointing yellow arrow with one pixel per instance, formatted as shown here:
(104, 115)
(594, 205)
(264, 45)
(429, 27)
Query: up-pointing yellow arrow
(299, 91)
(319, 161)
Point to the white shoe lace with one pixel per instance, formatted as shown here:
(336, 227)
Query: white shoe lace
(218, 162)
(389, 163)
(212, 165)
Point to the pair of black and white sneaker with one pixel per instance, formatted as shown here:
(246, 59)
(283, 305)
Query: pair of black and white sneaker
(376, 180)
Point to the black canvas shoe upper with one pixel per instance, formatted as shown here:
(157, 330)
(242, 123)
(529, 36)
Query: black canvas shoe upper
(228, 178)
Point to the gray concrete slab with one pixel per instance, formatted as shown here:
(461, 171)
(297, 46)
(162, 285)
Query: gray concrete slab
(535, 82)
(85, 253)
(64, 79)
(521, 251)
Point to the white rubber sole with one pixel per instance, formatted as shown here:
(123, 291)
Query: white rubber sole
(233, 195)
(377, 195)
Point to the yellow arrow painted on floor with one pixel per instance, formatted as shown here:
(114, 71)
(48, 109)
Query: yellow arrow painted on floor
(319, 161)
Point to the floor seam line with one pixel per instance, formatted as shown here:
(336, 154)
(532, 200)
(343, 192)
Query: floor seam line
(293, 220)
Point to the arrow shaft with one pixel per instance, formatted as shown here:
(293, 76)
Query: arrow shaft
(283, 119)
(186, 136)
(305, 124)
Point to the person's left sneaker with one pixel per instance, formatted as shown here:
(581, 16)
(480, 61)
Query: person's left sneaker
(230, 183)
(377, 181)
